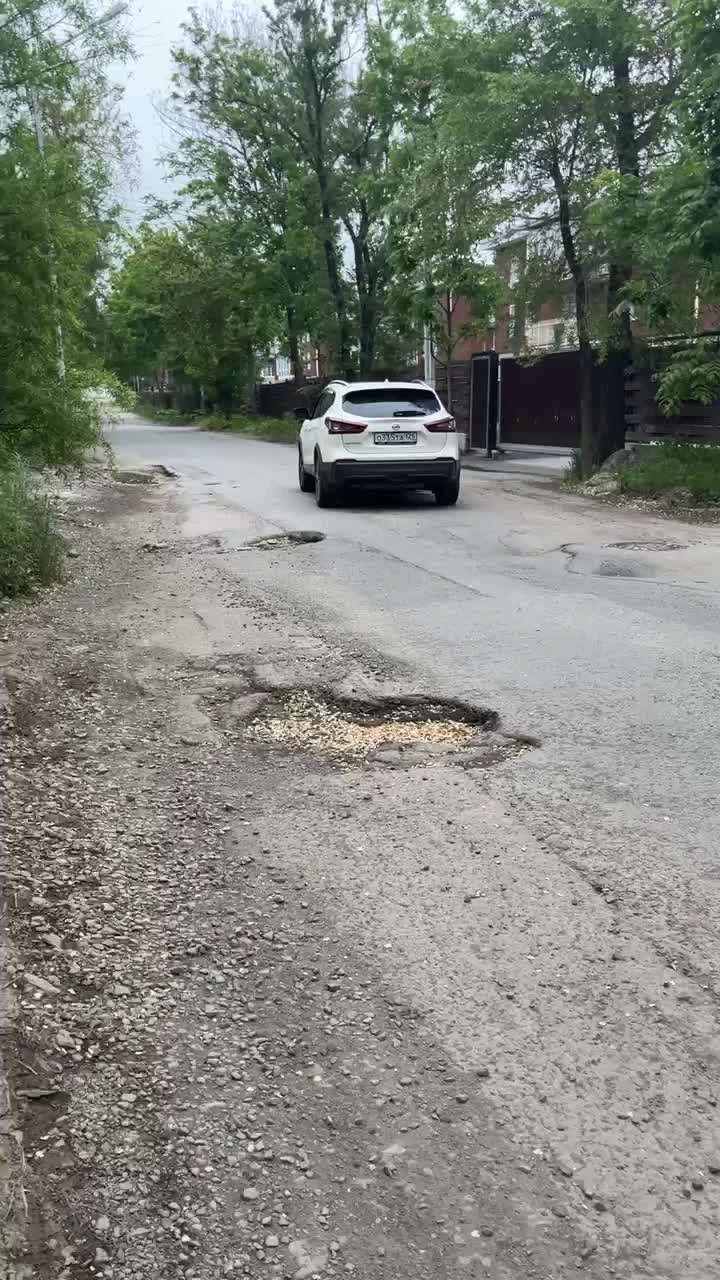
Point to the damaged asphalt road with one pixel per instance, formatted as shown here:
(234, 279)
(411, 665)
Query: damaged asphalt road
(297, 1011)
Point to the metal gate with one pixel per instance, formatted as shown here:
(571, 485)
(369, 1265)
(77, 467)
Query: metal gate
(484, 401)
(540, 400)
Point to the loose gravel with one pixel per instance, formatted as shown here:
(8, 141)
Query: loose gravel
(240, 1038)
(310, 722)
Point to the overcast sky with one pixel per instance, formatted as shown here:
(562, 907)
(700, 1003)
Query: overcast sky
(155, 27)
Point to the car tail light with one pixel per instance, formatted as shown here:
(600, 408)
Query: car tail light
(442, 424)
(339, 427)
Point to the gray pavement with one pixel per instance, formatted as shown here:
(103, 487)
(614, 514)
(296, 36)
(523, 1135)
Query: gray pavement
(523, 601)
(598, 632)
(518, 461)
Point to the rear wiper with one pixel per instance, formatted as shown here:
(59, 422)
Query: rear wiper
(407, 413)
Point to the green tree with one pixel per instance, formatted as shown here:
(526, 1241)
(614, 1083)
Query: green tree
(241, 165)
(60, 144)
(309, 45)
(187, 301)
(440, 286)
(562, 107)
(440, 211)
(512, 92)
(634, 100)
(681, 242)
(290, 123)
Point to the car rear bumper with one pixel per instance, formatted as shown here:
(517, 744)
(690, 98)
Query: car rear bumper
(419, 474)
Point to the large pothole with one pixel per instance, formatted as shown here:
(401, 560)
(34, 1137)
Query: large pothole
(392, 731)
(294, 537)
(653, 545)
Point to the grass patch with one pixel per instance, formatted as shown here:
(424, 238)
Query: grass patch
(277, 430)
(31, 548)
(169, 417)
(573, 474)
(689, 472)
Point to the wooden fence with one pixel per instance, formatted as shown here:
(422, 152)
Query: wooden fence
(644, 418)
(460, 386)
(538, 401)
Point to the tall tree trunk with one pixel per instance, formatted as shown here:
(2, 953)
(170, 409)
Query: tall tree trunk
(367, 318)
(588, 443)
(366, 288)
(329, 238)
(224, 397)
(621, 341)
(316, 112)
(365, 308)
(367, 335)
(293, 343)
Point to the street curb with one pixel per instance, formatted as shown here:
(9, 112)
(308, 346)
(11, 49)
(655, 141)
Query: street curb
(500, 468)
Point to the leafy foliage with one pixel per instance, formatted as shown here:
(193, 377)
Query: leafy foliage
(693, 374)
(190, 300)
(349, 170)
(59, 142)
(242, 167)
(287, 131)
(686, 197)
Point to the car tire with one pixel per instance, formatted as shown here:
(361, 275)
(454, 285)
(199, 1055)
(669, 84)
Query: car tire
(325, 494)
(447, 494)
(305, 481)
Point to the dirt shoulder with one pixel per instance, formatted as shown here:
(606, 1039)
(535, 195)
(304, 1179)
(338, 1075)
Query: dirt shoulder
(227, 1052)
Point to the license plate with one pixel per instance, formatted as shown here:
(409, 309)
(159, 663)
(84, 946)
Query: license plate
(395, 437)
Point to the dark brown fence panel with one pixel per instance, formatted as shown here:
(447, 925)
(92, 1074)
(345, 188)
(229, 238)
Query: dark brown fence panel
(275, 399)
(460, 387)
(644, 417)
(540, 400)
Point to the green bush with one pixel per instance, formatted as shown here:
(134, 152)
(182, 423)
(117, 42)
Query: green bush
(693, 374)
(31, 548)
(691, 471)
(170, 417)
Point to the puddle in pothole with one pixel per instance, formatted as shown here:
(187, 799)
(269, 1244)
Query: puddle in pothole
(393, 731)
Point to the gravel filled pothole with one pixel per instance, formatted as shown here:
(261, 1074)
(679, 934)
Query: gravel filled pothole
(392, 731)
(653, 545)
(295, 537)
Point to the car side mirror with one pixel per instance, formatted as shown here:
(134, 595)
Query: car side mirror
(300, 414)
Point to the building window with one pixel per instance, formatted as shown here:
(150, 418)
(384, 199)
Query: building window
(551, 335)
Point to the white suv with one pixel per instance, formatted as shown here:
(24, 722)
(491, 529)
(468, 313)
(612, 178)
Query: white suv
(376, 434)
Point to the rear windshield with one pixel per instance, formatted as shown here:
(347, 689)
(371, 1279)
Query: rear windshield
(391, 403)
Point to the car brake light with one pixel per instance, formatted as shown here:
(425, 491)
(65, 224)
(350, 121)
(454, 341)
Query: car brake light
(338, 427)
(442, 424)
